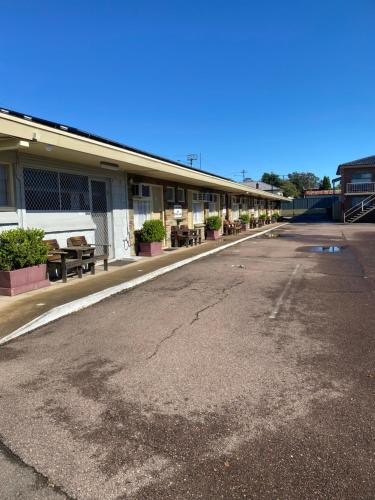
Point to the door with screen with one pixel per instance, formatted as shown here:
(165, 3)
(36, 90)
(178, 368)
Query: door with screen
(99, 211)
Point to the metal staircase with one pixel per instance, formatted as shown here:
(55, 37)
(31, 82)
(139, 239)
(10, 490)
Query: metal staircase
(359, 210)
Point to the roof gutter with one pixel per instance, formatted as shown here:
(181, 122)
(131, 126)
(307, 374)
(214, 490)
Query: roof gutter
(29, 130)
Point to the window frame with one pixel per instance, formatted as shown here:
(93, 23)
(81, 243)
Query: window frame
(140, 194)
(181, 190)
(170, 200)
(59, 173)
(11, 205)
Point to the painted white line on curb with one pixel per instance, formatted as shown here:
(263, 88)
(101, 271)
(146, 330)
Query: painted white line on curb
(94, 298)
(280, 300)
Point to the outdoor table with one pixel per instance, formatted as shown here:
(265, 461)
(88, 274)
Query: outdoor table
(82, 252)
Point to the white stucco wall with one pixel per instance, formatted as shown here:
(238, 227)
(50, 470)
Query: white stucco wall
(62, 225)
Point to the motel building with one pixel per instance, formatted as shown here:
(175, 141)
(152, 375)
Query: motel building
(357, 179)
(72, 183)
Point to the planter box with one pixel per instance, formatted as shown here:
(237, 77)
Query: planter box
(245, 226)
(23, 280)
(213, 234)
(151, 249)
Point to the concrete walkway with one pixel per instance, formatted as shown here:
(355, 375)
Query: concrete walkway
(19, 310)
(245, 375)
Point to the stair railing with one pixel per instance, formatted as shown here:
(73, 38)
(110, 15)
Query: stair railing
(359, 206)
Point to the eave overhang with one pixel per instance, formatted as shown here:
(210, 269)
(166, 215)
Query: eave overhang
(62, 145)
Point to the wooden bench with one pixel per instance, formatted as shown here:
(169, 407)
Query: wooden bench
(89, 256)
(61, 260)
(237, 227)
(183, 236)
(228, 228)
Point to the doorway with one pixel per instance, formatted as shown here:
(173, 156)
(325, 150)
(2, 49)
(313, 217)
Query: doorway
(100, 216)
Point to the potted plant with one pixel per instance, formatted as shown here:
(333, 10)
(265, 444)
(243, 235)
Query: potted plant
(151, 236)
(213, 226)
(23, 257)
(275, 216)
(262, 219)
(245, 219)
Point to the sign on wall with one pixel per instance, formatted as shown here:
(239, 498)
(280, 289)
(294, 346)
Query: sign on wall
(177, 211)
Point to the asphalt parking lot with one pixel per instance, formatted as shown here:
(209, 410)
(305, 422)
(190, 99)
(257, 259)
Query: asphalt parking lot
(248, 374)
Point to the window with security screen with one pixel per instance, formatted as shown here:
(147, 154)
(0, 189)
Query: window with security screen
(54, 191)
(6, 188)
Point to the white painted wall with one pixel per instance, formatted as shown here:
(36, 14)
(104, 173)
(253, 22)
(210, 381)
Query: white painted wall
(62, 225)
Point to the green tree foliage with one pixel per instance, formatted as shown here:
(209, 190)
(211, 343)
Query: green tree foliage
(289, 189)
(303, 180)
(325, 183)
(271, 178)
(21, 248)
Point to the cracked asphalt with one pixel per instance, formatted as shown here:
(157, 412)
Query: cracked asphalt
(248, 374)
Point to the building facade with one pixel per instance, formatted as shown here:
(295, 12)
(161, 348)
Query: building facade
(69, 182)
(357, 190)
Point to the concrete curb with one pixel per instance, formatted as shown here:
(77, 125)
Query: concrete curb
(77, 305)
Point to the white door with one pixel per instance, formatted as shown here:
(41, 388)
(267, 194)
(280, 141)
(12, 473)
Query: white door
(142, 212)
(197, 212)
(235, 211)
(100, 214)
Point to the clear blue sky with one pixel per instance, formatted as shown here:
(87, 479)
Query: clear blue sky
(273, 85)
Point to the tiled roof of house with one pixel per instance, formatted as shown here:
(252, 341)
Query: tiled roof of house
(261, 185)
(320, 192)
(367, 161)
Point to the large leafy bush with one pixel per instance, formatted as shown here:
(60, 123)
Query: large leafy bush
(152, 230)
(213, 223)
(21, 248)
(245, 218)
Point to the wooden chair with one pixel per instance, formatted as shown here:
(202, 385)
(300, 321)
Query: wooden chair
(237, 227)
(181, 236)
(228, 228)
(195, 234)
(89, 256)
(59, 260)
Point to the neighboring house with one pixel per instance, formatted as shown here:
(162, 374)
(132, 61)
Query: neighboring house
(358, 190)
(69, 182)
(268, 188)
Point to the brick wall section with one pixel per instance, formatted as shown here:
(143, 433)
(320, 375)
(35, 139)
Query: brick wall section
(166, 213)
(346, 177)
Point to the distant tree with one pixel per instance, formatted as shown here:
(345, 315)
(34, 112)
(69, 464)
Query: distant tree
(303, 180)
(325, 183)
(289, 189)
(271, 178)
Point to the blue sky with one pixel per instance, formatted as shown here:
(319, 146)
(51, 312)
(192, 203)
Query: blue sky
(250, 85)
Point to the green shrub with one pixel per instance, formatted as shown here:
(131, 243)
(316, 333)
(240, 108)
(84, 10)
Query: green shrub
(152, 230)
(245, 219)
(21, 248)
(213, 223)
(276, 215)
(262, 216)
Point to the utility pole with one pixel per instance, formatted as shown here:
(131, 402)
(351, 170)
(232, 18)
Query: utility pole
(243, 172)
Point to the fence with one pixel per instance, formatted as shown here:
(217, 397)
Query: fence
(315, 205)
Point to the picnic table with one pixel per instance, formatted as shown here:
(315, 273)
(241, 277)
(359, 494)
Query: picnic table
(183, 236)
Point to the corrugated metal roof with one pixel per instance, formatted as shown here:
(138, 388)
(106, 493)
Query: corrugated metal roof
(98, 138)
